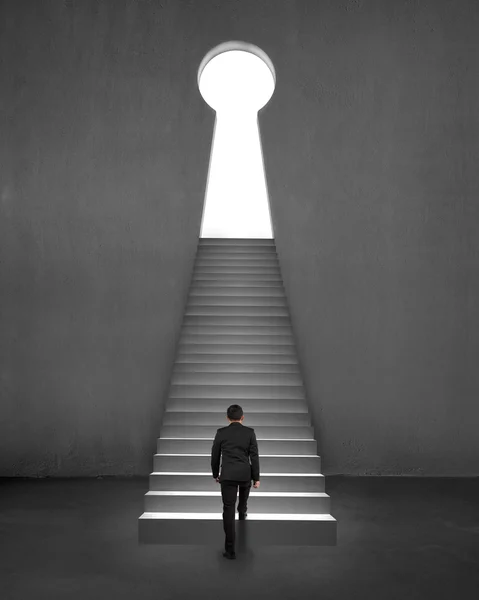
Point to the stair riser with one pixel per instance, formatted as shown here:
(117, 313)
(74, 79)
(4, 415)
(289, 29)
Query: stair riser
(237, 292)
(226, 256)
(234, 347)
(235, 321)
(226, 392)
(252, 246)
(258, 349)
(269, 432)
(203, 338)
(269, 332)
(218, 419)
(259, 359)
(236, 242)
(249, 535)
(237, 266)
(235, 300)
(237, 248)
(256, 504)
(238, 284)
(249, 405)
(206, 483)
(268, 464)
(247, 253)
(239, 311)
(241, 263)
(235, 279)
(244, 369)
(239, 272)
(182, 446)
(247, 296)
(236, 379)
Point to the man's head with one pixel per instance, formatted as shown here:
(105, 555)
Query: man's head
(235, 413)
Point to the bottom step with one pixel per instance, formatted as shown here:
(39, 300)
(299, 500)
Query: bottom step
(206, 529)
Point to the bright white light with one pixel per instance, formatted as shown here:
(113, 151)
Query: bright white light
(252, 493)
(259, 439)
(236, 84)
(236, 81)
(251, 516)
(263, 455)
(208, 473)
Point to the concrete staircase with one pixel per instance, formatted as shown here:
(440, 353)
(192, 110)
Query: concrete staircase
(237, 347)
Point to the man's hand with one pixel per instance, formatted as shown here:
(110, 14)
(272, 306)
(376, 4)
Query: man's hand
(217, 479)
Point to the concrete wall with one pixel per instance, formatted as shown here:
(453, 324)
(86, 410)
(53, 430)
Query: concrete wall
(105, 149)
(371, 149)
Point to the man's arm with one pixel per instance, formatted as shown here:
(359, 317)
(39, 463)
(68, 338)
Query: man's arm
(216, 455)
(253, 452)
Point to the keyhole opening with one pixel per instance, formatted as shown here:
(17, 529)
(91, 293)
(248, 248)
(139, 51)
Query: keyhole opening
(236, 79)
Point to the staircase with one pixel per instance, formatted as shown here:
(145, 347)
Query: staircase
(237, 347)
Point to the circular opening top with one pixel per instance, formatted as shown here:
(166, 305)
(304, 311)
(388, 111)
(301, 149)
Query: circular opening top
(236, 76)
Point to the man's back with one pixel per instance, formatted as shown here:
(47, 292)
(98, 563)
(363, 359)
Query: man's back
(237, 444)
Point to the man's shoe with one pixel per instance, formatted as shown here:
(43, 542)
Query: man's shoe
(242, 516)
(230, 555)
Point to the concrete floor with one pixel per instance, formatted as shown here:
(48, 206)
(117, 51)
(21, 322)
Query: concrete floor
(398, 537)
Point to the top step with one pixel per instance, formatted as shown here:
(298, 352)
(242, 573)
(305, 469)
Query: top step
(235, 242)
(211, 250)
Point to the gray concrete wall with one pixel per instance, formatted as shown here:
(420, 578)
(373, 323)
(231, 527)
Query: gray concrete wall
(374, 185)
(371, 148)
(104, 154)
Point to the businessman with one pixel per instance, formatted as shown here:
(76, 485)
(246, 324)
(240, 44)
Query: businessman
(237, 444)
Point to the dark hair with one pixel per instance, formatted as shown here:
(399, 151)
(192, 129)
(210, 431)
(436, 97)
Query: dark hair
(234, 412)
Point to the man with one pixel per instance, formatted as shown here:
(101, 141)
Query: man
(237, 444)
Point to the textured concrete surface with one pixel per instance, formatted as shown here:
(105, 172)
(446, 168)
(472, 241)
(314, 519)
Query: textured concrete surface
(376, 222)
(371, 147)
(398, 538)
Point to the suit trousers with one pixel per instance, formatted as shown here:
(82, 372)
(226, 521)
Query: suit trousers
(229, 490)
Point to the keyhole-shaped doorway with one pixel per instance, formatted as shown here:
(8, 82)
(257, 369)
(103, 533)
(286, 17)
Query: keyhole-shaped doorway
(236, 79)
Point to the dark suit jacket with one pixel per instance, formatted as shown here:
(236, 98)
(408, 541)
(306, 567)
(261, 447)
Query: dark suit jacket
(237, 444)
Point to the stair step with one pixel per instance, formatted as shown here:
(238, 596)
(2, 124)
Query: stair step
(237, 311)
(231, 368)
(248, 399)
(235, 283)
(269, 464)
(270, 331)
(212, 379)
(249, 278)
(287, 340)
(268, 530)
(217, 419)
(263, 432)
(237, 263)
(236, 321)
(271, 349)
(232, 257)
(237, 252)
(203, 446)
(236, 348)
(227, 392)
(249, 405)
(218, 291)
(235, 300)
(242, 271)
(249, 242)
(244, 391)
(257, 358)
(258, 502)
(284, 482)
